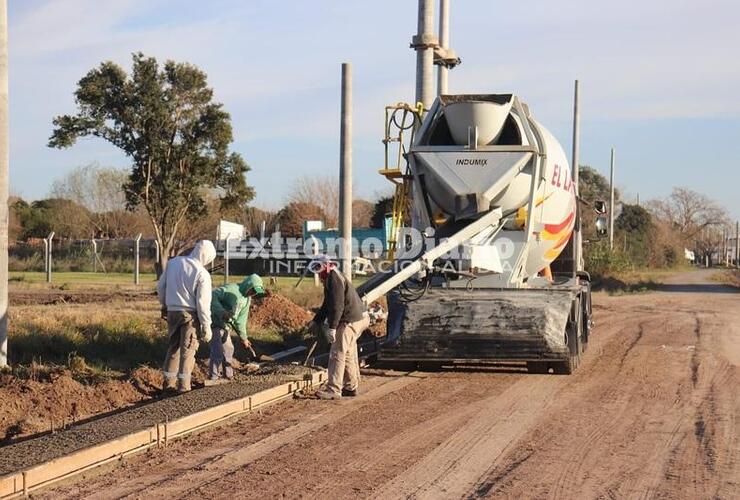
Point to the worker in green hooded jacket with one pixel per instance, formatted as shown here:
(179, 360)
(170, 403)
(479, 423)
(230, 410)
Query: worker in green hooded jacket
(230, 311)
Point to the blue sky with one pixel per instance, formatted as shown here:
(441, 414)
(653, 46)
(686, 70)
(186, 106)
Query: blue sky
(659, 80)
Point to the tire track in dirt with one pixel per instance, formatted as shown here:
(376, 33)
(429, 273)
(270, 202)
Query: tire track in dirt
(701, 461)
(456, 466)
(227, 461)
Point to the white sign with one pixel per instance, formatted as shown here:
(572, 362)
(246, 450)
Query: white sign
(230, 230)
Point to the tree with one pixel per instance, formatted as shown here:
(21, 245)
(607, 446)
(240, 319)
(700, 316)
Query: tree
(100, 190)
(65, 217)
(322, 191)
(177, 138)
(382, 208)
(634, 219)
(253, 219)
(689, 212)
(294, 214)
(362, 213)
(636, 229)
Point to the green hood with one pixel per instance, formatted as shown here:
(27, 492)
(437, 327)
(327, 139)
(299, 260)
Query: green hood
(252, 281)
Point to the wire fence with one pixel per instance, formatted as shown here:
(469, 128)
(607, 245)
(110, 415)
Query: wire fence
(96, 256)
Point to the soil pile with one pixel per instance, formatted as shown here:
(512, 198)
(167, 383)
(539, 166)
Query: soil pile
(276, 311)
(29, 406)
(26, 453)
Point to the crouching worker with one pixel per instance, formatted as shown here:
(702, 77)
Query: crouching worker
(230, 311)
(346, 319)
(184, 290)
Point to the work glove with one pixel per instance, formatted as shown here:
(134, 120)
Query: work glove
(205, 334)
(330, 334)
(248, 347)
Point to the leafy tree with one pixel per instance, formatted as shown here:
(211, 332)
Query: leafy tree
(177, 138)
(593, 186)
(65, 217)
(294, 214)
(382, 208)
(634, 219)
(634, 227)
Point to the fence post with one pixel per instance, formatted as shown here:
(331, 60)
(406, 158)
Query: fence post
(48, 247)
(136, 258)
(156, 254)
(95, 255)
(226, 258)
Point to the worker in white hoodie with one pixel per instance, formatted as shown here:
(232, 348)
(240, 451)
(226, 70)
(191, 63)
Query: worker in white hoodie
(184, 290)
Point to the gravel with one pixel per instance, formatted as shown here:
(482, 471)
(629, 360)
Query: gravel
(34, 451)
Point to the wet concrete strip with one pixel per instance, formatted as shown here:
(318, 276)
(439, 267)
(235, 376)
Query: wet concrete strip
(48, 447)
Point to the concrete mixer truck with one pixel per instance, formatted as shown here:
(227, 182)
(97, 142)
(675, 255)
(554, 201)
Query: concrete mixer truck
(481, 272)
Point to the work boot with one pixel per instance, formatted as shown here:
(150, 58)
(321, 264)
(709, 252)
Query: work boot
(349, 393)
(323, 394)
(167, 392)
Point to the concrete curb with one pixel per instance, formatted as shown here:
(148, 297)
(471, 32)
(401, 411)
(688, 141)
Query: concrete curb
(43, 475)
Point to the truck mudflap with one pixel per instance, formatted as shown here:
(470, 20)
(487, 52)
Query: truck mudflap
(480, 325)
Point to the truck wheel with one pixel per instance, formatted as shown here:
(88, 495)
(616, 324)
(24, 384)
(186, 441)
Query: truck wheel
(575, 344)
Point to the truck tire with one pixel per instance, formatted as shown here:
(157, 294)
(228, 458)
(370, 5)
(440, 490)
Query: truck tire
(575, 342)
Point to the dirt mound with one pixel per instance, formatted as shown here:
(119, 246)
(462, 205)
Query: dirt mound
(276, 311)
(147, 380)
(32, 406)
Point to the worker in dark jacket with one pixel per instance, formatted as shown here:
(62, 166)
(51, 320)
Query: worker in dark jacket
(342, 318)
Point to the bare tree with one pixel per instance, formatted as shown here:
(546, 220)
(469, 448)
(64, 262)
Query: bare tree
(696, 218)
(100, 190)
(689, 212)
(362, 213)
(254, 217)
(322, 191)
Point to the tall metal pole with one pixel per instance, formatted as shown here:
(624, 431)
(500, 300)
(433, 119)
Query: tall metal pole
(95, 254)
(611, 202)
(3, 183)
(737, 244)
(424, 42)
(444, 42)
(49, 250)
(575, 159)
(137, 247)
(226, 258)
(345, 172)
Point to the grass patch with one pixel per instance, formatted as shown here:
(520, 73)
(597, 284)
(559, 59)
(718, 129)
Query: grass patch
(100, 337)
(74, 280)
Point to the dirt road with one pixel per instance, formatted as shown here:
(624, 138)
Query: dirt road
(652, 412)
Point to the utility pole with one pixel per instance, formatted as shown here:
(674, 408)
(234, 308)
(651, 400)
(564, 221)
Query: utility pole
(737, 244)
(137, 248)
(3, 183)
(576, 138)
(49, 246)
(611, 201)
(345, 172)
(424, 43)
(444, 43)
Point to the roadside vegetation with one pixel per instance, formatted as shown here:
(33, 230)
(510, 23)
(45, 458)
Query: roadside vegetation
(651, 239)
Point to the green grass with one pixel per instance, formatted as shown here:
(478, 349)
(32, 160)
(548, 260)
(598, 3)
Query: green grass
(72, 278)
(106, 336)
